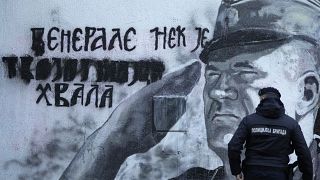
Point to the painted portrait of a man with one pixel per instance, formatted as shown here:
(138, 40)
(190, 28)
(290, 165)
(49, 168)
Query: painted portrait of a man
(256, 43)
(259, 44)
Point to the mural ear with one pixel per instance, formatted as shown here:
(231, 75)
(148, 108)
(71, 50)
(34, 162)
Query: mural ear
(309, 92)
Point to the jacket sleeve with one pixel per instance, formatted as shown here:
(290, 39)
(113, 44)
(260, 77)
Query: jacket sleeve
(235, 146)
(303, 153)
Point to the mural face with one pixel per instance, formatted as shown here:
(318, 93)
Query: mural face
(258, 44)
(233, 81)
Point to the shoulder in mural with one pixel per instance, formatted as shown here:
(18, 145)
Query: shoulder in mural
(144, 90)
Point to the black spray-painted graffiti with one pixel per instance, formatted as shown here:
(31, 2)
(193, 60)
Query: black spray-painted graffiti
(175, 37)
(69, 69)
(58, 39)
(91, 39)
(78, 93)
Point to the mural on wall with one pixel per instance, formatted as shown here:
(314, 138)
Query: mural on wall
(148, 100)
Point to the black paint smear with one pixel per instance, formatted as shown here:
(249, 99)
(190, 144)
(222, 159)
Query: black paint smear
(78, 93)
(60, 88)
(174, 37)
(107, 94)
(75, 38)
(75, 95)
(11, 64)
(25, 68)
(114, 37)
(37, 41)
(156, 71)
(84, 69)
(110, 68)
(43, 69)
(85, 65)
(122, 72)
(70, 69)
(88, 99)
(141, 72)
(126, 39)
(57, 64)
(158, 33)
(50, 38)
(67, 69)
(101, 38)
(43, 93)
(65, 35)
(89, 33)
(147, 71)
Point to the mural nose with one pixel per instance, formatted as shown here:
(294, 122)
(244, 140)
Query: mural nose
(224, 90)
(229, 93)
(232, 93)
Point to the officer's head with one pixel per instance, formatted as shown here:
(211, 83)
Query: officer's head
(256, 44)
(269, 92)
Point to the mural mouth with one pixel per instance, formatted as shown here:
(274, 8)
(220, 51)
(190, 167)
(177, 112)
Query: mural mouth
(217, 116)
(222, 128)
(223, 123)
(216, 113)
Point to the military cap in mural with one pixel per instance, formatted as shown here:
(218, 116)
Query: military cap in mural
(246, 22)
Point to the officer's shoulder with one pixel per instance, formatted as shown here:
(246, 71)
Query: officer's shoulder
(289, 120)
(250, 117)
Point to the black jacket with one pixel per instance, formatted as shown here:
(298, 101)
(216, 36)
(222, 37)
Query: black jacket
(269, 136)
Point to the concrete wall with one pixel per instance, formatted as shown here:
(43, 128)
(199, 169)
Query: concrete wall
(116, 89)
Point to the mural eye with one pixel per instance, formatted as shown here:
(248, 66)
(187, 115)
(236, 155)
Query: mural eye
(248, 75)
(212, 76)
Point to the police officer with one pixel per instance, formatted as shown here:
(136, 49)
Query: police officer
(269, 136)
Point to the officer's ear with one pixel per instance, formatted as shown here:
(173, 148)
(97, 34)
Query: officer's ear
(308, 92)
